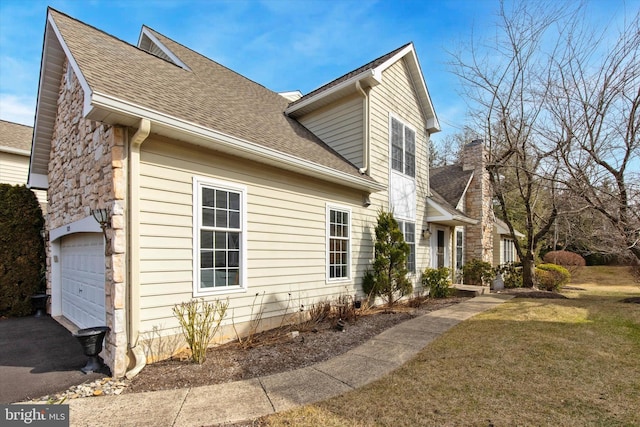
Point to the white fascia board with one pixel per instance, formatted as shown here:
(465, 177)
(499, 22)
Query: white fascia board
(38, 181)
(17, 151)
(432, 123)
(236, 144)
(145, 31)
(464, 192)
(349, 82)
(86, 108)
(443, 213)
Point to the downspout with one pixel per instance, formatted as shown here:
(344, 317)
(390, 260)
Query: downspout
(133, 308)
(365, 143)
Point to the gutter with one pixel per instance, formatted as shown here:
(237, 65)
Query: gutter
(204, 137)
(133, 308)
(365, 143)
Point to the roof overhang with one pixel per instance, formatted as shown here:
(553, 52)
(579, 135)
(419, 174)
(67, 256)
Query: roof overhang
(439, 214)
(370, 78)
(54, 52)
(16, 151)
(107, 109)
(110, 110)
(503, 229)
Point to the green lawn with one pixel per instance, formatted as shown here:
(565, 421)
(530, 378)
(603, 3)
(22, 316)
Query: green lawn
(529, 362)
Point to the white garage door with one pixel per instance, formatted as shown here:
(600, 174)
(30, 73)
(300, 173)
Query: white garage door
(82, 257)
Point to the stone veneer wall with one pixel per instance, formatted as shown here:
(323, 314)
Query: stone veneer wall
(87, 171)
(478, 205)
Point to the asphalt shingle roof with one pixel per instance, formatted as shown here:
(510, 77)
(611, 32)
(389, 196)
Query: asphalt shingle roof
(14, 135)
(210, 95)
(450, 182)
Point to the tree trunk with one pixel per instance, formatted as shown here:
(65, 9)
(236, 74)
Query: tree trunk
(528, 271)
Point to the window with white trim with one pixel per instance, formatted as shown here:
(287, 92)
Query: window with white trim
(219, 236)
(403, 148)
(409, 232)
(459, 248)
(507, 251)
(338, 243)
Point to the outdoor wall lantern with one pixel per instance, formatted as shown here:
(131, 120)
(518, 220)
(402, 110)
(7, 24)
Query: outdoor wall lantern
(426, 233)
(103, 217)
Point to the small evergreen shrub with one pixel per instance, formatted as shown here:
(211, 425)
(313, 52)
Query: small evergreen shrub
(22, 257)
(390, 262)
(552, 277)
(477, 272)
(511, 275)
(564, 258)
(438, 281)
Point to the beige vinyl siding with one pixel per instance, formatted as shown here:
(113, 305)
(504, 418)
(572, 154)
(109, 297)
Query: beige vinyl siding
(286, 240)
(396, 95)
(13, 168)
(341, 126)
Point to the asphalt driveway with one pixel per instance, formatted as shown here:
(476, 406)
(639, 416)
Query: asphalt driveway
(38, 356)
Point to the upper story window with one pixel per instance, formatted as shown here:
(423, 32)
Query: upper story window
(403, 148)
(338, 243)
(219, 236)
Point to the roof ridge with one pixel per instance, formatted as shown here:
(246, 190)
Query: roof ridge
(157, 33)
(50, 9)
(355, 71)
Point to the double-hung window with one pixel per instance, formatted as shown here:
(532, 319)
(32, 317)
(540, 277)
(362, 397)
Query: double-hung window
(409, 232)
(219, 233)
(403, 148)
(338, 243)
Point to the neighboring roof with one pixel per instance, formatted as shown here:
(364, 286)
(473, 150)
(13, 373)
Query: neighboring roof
(450, 181)
(444, 213)
(206, 103)
(15, 138)
(503, 229)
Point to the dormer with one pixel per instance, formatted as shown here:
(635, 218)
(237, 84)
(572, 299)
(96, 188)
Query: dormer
(150, 43)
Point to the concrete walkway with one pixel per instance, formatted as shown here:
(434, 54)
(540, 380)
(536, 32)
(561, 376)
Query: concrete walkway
(249, 399)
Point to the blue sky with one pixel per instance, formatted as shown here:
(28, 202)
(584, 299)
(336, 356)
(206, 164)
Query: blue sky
(281, 44)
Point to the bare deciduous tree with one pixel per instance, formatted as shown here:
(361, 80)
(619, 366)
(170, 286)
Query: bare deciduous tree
(596, 112)
(502, 79)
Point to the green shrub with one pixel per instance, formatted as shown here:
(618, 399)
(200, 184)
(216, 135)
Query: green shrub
(564, 258)
(477, 272)
(511, 275)
(438, 281)
(368, 283)
(552, 277)
(22, 257)
(200, 320)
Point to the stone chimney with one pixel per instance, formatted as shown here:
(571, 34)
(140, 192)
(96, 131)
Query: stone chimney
(478, 204)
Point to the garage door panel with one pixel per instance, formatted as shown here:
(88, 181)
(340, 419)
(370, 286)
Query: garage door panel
(82, 269)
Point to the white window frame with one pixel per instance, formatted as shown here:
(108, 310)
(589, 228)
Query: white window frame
(508, 252)
(403, 228)
(347, 210)
(405, 127)
(198, 184)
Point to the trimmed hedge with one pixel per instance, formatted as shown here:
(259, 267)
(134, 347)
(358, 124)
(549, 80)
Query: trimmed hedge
(564, 258)
(22, 256)
(552, 277)
(477, 272)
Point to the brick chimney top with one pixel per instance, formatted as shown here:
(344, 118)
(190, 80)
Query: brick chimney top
(473, 155)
